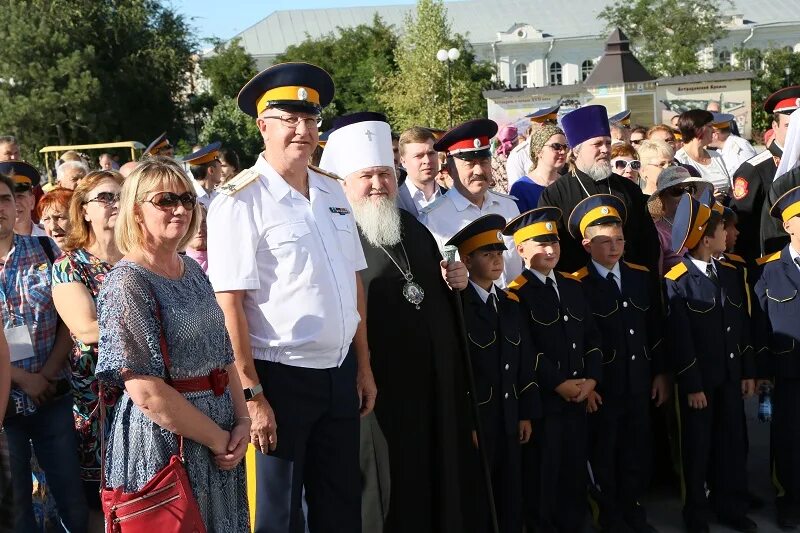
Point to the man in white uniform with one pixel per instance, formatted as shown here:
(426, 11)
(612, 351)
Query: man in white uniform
(206, 169)
(284, 256)
(470, 165)
(733, 149)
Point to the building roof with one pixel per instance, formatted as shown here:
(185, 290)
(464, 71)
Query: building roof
(478, 20)
(617, 64)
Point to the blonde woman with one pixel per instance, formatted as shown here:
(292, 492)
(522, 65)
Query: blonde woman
(153, 292)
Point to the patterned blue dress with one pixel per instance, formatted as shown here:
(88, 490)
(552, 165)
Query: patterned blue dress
(198, 342)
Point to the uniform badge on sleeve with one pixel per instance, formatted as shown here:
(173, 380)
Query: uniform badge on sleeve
(740, 188)
(339, 210)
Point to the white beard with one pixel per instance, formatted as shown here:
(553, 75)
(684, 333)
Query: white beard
(599, 171)
(379, 221)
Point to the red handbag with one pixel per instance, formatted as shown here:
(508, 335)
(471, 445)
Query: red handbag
(166, 504)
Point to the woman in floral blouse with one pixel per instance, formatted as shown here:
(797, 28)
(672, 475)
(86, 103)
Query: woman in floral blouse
(89, 253)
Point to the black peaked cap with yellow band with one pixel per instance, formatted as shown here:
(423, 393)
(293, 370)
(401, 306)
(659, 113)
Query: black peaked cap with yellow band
(298, 86)
(787, 205)
(545, 115)
(159, 143)
(24, 175)
(722, 121)
(469, 140)
(484, 233)
(204, 155)
(540, 224)
(595, 210)
(691, 220)
(623, 118)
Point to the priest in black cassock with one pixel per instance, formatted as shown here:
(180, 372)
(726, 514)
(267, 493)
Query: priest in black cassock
(422, 407)
(589, 136)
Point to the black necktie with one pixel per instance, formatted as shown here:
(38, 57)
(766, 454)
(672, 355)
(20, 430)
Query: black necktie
(552, 286)
(711, 274)
(491, 302)
(612, 278)
(797, 261)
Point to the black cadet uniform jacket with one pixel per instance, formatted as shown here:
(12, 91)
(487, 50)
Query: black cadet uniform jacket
(503, 359)
(565, 334)
(708, 326)
(630, 324)
(777, 316)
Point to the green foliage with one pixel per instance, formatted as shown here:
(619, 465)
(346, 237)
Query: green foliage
(416, 94)
(667, 34)
(235, 130)
(90, 70)
(770, 75)
(357, 59)
(228, 69)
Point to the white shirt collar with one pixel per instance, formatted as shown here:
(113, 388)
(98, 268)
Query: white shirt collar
(541, 277)
(418, 196)
(603, 271)
(484, 294)
(462, 203)
(794, 255)
(278, 187)
(702, 265)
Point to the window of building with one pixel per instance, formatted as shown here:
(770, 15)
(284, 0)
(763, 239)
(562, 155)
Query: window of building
(586, 69)
(723, 58)
(521, 75)
(555, 73)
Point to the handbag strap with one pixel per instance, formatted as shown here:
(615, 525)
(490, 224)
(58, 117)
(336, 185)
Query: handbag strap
(167, 380)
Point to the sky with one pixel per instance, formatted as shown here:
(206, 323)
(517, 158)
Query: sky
(224, 19)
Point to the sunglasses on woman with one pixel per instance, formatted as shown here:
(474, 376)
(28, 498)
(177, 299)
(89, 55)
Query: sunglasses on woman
(105, 198)
(170, 200)
(622, 165)
(680, 190)
(558, 147)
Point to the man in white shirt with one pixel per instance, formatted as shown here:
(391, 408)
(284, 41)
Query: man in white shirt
(206, 169)
(421, 162)
(519, 161)
(284, 256)
(733, 149)
(469, 163)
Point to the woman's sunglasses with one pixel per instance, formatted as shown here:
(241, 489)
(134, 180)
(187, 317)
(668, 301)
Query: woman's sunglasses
(558, 147)
(105, 198)
(680, 190)
(170, 200)
(622, 165)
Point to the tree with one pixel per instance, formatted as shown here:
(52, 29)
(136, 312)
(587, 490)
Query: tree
(234, 129)
(228, 68)
(78, 71)
(667, 34)
(770, 75)
(357, 59)
(416, 94)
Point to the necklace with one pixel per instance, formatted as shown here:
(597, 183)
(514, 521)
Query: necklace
(412, 291)
(608, 184)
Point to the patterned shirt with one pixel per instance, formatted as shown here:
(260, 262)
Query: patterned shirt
(25, 288)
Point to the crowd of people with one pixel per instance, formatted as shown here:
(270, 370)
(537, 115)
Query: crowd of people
(434, 331)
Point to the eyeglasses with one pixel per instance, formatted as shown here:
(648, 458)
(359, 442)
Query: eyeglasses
(292, 121)
(105, 198)
(680, 190)
(169, 200)
(664, 164)
(558, 147)
(622, 165)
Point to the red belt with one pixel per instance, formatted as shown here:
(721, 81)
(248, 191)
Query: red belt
(216, 381)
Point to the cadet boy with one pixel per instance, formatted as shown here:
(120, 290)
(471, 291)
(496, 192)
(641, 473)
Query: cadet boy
(626, 307)
(709, 330)
(778, 336)
(503, 361)
(568, 369)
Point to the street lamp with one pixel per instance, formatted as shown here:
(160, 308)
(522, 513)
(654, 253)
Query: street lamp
(448, 56)
(787, 71)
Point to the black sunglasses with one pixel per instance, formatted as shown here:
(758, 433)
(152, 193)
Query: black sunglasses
(680, 190)
(106, 198)
(170, 200)
(558, 147)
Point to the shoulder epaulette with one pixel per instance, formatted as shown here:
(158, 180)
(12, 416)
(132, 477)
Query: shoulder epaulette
(570, 275)
(239, 181)
(512, 296)
(735, 258)
(637, 267)
(503, 195)
(580, 274)
(759, 158)
(767, 258)
(726, 264)
(518, 282)
(676, 272)
(430, 207)
(325, 172)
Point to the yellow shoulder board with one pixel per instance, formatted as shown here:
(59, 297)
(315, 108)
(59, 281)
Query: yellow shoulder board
(637, 267)
(676, 272)
(735, 258)
(570, 275)
(723, 263)
(580, 274)
(518, 282)
(239, 182)
(325, 172)
(767, 258)
(512, 296)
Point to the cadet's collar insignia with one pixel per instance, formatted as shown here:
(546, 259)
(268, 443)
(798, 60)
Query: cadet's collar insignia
(339, 210)
(476, 143)
(302, 94)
